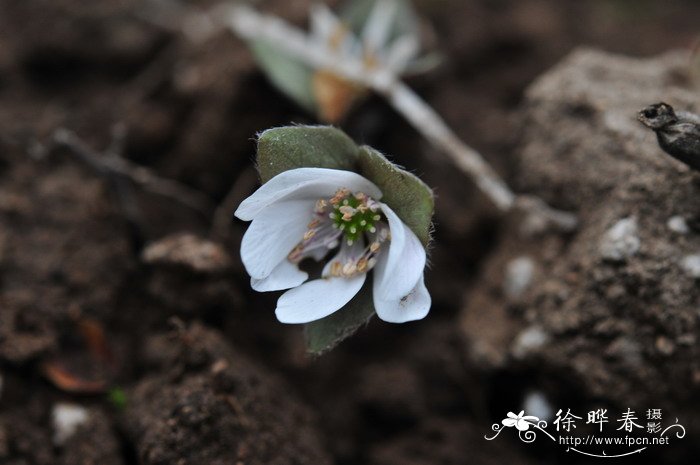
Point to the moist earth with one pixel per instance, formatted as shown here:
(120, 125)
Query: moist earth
(109, 291)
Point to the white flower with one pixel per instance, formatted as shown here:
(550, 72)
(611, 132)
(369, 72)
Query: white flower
(520, 421)
(373, 48)
(310, 212)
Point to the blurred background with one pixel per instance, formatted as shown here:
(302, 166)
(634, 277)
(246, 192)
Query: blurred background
(91, 314)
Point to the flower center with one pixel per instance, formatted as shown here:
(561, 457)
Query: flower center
(353, 221)
(354, 214)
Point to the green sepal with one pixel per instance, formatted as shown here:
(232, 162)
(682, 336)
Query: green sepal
(410, 198)
(290, 147)
(324, 334)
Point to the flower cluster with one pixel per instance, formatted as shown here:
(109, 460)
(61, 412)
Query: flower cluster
(374, 49)
(313, 213)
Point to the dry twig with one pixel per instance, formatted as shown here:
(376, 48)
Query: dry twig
(112, 163)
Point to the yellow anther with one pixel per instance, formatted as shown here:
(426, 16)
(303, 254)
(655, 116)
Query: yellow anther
(347, 212)
(336, 268)
(349, 269)
(362, 265)
(340, 194)
(321, 206)
(295, 254)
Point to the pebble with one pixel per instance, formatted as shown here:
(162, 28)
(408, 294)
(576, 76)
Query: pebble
(537, 404)
(518, 277)
(678, 225)
(198, 254)
(665, 346)
(66, 419)
(529, 340)
(620, 241)
(691, 265)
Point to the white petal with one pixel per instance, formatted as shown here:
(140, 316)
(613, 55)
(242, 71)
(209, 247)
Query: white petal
(323, 22)
(378, 25)
(273, 234)
(317, 299)
(398, 269)
(402, 51)
(413, 306)
(508, 422)
(285, 276)
(304, 184)
(345, 254)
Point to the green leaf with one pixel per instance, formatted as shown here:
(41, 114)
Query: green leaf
(410, 198)
(290, 76)
(326, 333)
(290, 147)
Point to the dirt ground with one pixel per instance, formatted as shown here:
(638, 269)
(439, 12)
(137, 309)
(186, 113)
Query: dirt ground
(208, 376)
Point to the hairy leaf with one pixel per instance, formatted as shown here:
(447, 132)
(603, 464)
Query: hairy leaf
(326, 333)
(405, 193)
(290, 147)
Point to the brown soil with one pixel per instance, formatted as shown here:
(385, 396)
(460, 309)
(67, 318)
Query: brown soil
(74, 246)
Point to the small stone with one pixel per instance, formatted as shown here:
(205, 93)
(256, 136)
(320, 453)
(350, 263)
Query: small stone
(620, 241)
(665, 346)
(66, 419)
(678, 225)
(691, 265)
(219, 366)
(187, 250)
(537, 404)
(529, 340)
(519, 274)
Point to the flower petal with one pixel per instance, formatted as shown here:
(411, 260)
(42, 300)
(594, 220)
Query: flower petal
(323, 23)
(402, 51)
(378, 25)
(398, 270)
(413, 306)
(304, 184)
(273, 234)
(285, 276)
(317, 299)
(509, 422)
